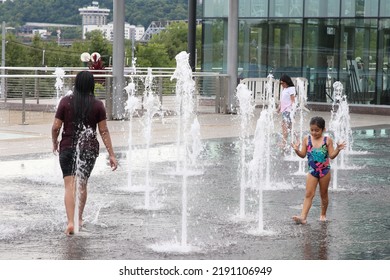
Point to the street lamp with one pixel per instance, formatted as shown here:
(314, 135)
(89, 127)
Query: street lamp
(2, 90)
(85, 58)
(43, 57)
(3, 42)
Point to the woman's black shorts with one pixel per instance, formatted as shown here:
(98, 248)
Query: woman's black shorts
(77, 163)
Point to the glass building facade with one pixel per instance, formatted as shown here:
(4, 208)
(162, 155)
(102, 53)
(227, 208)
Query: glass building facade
(322, 40)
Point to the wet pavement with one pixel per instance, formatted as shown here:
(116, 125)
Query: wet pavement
(119, 226)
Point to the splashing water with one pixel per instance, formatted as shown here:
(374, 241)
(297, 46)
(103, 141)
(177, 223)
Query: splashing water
(260, 165)
(340, 126)
(184, 104)
(152, 106)
(299, 109)
(196, 147)
(245, 112)
(60, 73)
(132, 105)
(85, 136)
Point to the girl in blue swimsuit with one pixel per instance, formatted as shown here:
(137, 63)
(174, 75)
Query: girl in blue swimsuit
(319, 150)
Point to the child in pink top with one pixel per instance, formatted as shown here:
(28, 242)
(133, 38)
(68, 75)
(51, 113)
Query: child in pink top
(287, 100)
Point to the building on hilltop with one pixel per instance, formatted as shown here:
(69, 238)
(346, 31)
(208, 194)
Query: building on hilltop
(130, 30)
(93, 17)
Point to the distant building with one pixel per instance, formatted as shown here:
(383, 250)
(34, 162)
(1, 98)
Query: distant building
(43, 33)
(108, 31)
(93, 17)
(138, 30)
(44, 30)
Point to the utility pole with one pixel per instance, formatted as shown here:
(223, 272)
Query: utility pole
(192, 33)
(2, 90)
(117, 98)
(132, 44)
(43, 58)
(232, 56)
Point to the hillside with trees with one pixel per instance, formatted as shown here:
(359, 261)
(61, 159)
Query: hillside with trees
(36, 51)
(18, 12)
(160, 51)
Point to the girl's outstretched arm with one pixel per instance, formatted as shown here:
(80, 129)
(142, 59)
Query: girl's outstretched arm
(301, 153)
(332, 151)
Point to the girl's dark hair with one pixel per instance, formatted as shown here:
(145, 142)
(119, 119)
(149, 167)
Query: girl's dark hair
(285, 78)
(318, 121)
(83, 98)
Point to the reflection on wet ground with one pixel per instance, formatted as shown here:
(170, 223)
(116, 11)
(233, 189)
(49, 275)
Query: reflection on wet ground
(119, 227)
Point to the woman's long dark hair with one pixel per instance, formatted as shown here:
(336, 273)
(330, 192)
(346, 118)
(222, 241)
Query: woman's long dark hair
(83, 99)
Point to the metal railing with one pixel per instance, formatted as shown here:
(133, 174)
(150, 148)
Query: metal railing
(262, 95)
(25, 86)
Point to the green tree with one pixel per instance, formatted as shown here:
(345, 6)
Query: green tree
(98, 43)
(15, 52)
(153, 55)
(175, 39)
(79, 47)
(35, 52)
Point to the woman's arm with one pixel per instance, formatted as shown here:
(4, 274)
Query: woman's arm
(105, 134)
(55, 131)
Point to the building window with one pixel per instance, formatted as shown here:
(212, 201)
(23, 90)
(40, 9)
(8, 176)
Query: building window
(286, 8)
(321, 8)
(253, 8)
(215, 8)
(359, 8)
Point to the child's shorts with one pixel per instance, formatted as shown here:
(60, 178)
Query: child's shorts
(286, 117)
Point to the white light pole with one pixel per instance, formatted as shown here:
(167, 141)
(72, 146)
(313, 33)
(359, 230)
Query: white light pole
(43, 57)
(2, 90)
(118, 108)
(3, 42)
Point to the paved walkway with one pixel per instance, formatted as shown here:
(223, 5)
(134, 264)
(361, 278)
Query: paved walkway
(35, 135)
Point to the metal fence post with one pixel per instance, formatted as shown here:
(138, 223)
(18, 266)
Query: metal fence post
(218, 95)
(160, 89)
(24, 102)
(36, 87)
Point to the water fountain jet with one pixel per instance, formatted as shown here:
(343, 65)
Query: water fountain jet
(132, 105)
(245, 112)
(152, 106)
(261, 162)
(341, 128)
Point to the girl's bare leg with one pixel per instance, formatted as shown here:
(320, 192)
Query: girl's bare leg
(285, 131)
(69, 199)
(311, 184)
(82, 200)
(324, 185)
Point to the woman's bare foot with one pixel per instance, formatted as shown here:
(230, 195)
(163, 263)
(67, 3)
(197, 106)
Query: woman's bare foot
(323, 218)
(69, 229)
(299, 220)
